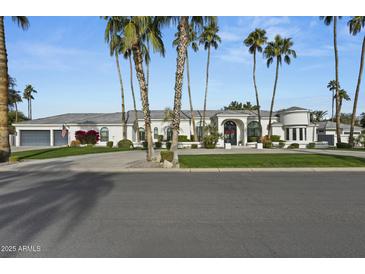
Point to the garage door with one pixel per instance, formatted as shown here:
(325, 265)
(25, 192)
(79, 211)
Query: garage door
(34, 137)
(58, 140)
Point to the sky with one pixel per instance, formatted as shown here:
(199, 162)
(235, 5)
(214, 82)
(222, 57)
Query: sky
(67, 61)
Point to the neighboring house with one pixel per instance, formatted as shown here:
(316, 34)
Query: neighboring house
(327, 132)
(237, 127)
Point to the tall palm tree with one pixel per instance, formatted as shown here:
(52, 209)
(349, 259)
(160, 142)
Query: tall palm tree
(192, 41)
(28, 95)
(115, 41)
(328, 21)
(22, 22)
(279, 49)
(343, 95)
(14, 97)
(210, 39)
(254, 41)
(135, 30)
(355, 26)
(332, 87)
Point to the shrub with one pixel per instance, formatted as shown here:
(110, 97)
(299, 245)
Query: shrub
(343, 145)
(167, 155)
(109, 144)
(210, 141)
(252, 139)
(144, 144)
(87, 137)
(158, 144)
(194, 146)
(192, 138)
(183, 138)
(360, 140)
(80, 135)
(168, 145)
(311, 145)
(125, 143)
(293, 145)
(281, 144)
(275, 138)
(75, 143)
(160, 138)
(13, 159)
(267, 144)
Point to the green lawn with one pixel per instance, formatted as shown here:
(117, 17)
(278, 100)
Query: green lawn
(62, 152)
(269, 160)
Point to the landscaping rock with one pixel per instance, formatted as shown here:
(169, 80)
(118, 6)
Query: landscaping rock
(167, 164)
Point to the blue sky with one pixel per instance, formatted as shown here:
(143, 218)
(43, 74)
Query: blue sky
(68, 62)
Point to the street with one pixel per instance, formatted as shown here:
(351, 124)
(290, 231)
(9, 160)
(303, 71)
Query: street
(262, 214)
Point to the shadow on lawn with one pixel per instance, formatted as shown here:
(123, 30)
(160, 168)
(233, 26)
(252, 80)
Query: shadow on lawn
(32, 202)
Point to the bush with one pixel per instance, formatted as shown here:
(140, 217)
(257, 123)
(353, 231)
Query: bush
(13, 159)
(158, 144)
(109, 144)
(267, 144)
(80, 136)
(160, 138)
(210, 141)
(293, 145)
(125, 143)
(192, 138)
(194, 146)
(75, 143)
(167, 155)
(311, 145)
(87, 137)
(144, 144)
(281, 144)
(252, 139)
(343, 145)
(275, 138)
(168, 145)
(183, 138)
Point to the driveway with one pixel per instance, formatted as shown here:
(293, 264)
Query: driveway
(92, 214)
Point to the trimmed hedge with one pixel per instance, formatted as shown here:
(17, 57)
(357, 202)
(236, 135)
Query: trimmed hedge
(194, 146)
(168, 145)
(144, 144)
(281, 144)
(311, 145)
(267, 144)
(252, 139)
(275, 138)
(293, 145)
(158, 144)
(183, 138)
(343, 145)
(109, 144)
(167, 155)
(125, 143)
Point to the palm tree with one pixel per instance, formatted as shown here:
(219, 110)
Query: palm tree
(210, 39)
(327, 21)
(135, 30)
(192, 41)
(14, 97)
(115, 42)
(317, 115)
(332, 87)
(343, 96)
(28, 95)
(22, 22)
(279, 49)
(254, 41)
(355, 26)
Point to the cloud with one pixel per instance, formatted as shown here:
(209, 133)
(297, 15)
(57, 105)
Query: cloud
(230, 36)
(235, 55)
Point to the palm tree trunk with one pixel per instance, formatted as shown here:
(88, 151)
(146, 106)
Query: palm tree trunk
(333, 104)
(4, 82)
(179, 76)
(148, 67)
(256, 91)
(138, 64)
(190, 99)
(124, 124)
(29, 110)
(16, 112)
(269, 128)
(134, 98)
(206, 90)
(338, 129)
(353, 117)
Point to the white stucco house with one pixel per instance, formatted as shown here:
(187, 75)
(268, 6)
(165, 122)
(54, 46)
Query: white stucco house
(327, 132)
(237, 127)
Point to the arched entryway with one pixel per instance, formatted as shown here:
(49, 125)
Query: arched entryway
(230, 133)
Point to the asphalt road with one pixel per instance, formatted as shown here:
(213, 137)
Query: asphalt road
(70, 214)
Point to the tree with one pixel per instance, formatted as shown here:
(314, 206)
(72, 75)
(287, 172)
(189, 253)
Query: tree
(22, 22)
(234, 105)
(345, 118)
(115, 42)
(317, 116)
(210, 39)
(192, 42)
(135, 30)
(343, 96)
(327, 21)
(254, 41)
(362, 119)
(355, 25)
(28, 95)
(14, 97)
(332, 86)
(278, 50)
(12, 116)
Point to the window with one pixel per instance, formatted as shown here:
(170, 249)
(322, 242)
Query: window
(294, 134)
(142, 134)
(305, 134)
(301, 134)
(104, 134)
(253, 129)
(169, 134)
(287, 137)
(155, 133)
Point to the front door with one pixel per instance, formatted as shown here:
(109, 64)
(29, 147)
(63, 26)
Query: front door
(230, 133)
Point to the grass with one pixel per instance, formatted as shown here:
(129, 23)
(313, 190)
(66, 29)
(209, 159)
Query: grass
(269, 160)
(62, 152)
